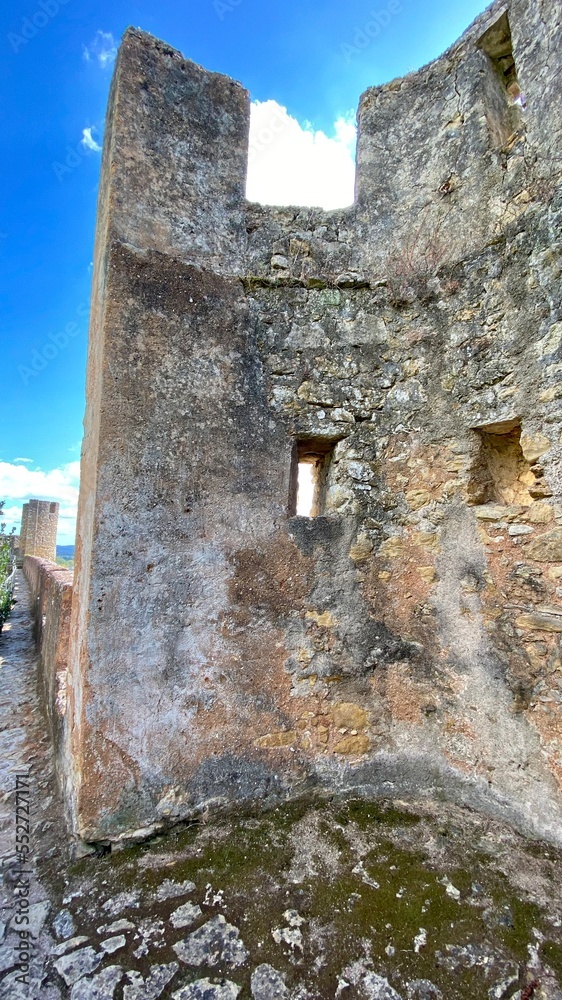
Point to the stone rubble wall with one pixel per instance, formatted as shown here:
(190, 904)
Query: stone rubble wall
(50, 589)
(407, 640)
(440, 158)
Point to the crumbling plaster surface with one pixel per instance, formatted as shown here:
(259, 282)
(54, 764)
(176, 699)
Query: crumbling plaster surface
(408, 640)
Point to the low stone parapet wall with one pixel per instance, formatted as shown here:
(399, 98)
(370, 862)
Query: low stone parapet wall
(51, 599)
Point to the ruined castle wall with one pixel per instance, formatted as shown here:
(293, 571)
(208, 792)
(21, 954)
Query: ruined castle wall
(301, 246)
(192, 128)
(446, 588)
(38, 535)
(138, 213)
(15, 549)
(51, 598)
(23, 532)
(537, 36)
(441, 159)
(406, 640)
(197, 456)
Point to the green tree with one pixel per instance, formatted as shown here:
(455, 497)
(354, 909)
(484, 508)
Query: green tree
(6, 571)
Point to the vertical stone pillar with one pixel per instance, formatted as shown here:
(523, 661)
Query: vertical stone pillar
(170, 239)
(38, 535)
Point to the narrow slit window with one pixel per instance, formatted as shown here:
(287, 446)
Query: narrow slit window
(498, 46)
(307, 487)
(311, 463)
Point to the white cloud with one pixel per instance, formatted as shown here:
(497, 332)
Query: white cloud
(28, 461)
(19, 484)
(88, 140)
(103, 49)
(291, 164)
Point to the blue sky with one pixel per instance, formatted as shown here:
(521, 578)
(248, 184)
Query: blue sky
(305, 64)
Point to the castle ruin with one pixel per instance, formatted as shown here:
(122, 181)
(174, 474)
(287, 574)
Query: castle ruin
(404, 640)
(38, 532)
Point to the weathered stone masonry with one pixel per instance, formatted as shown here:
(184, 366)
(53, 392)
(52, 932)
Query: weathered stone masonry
(38, 533)
(405, 641)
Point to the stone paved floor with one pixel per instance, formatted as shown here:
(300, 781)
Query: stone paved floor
(25, 761)
(348, 900)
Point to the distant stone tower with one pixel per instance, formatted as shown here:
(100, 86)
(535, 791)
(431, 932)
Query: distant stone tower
(38, 532)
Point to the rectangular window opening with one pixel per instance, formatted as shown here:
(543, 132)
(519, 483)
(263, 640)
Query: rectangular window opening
(498, 46)
(309, 474)
(501, 474)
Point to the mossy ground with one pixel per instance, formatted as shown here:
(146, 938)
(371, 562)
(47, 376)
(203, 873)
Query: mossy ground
(438, 895)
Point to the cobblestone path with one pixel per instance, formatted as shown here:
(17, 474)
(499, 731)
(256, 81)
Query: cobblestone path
(26, 782)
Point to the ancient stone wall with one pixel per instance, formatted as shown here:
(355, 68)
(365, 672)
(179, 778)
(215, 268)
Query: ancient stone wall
(23, 532)
(406, 640)
(14, 541)
(38, 533)
(50, 588)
